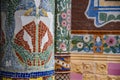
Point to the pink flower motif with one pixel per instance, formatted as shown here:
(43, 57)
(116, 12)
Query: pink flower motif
(68, 27)
(64, 15)
(69, 19)
(63, 46)
(64, 23)
(111, 41)
(68, 12)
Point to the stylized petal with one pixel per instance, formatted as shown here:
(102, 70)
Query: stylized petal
(64, 15)
(86, 38)
(68, 12)
(69, 19)
(68, 27)
(63, 46)
(80, 45)
(64, 23)
(111, 41)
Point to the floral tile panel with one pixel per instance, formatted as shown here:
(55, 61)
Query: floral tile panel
(111, 44)
(63, 25)
(82, 43)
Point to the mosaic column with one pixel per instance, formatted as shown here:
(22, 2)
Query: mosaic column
(27, 38)
(62, 39)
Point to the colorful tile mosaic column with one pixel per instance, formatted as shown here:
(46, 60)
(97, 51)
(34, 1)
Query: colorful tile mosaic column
(27, 39)
(62, 39)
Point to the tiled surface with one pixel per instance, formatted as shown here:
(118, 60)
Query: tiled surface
(63, 26)
(93, 43)
(62, 63)
(62, 76)
(81, 21)
(75, 76)
(27, 38)
(111, 44)
(40, 78)
(114, 69)
(62, 39)
(94, 70)
(82, 43)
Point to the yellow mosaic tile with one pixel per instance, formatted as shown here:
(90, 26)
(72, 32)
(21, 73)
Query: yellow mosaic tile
(33, 78)
(6, 79)
(39, 78)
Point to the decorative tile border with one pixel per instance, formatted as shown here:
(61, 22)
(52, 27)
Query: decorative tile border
(26, 75)
(111, 44)
(63, 25)
(82, 43)
(39, 78)
(62, 63)
(62, 76)
(97, 44)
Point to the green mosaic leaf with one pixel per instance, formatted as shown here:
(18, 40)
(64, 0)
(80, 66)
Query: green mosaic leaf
(113, 49)
(107, 50)
(118, 17)
(111, 17)
(75, 41)
(91, 44)
(105, 45)
(103, 17)
(80, 49)
(74, 48)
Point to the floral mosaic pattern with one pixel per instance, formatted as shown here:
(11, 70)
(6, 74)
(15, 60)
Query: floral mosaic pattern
(82, 43)
(111, 44)
(27, 38)
(63, 25)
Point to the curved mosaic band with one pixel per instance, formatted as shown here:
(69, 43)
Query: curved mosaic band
(26, 75)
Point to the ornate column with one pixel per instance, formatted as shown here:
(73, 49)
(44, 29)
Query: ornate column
(62, 39)
(27, 39)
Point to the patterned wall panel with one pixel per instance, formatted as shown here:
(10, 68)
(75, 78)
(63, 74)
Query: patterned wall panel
(111, 44)
(95, 15)
(82, 43)
(27, 43)
(62, 39)
(93, 43)
(100, 20)
(63, 25)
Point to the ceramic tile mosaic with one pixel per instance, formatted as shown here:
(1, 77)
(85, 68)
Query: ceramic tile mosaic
(62, 76)
(27, 43)
(40, 78)
(106, 12)
(63, 25)
(62, 63)
(82, 43)
(94, 15)
(98, 44)
(111, 44)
